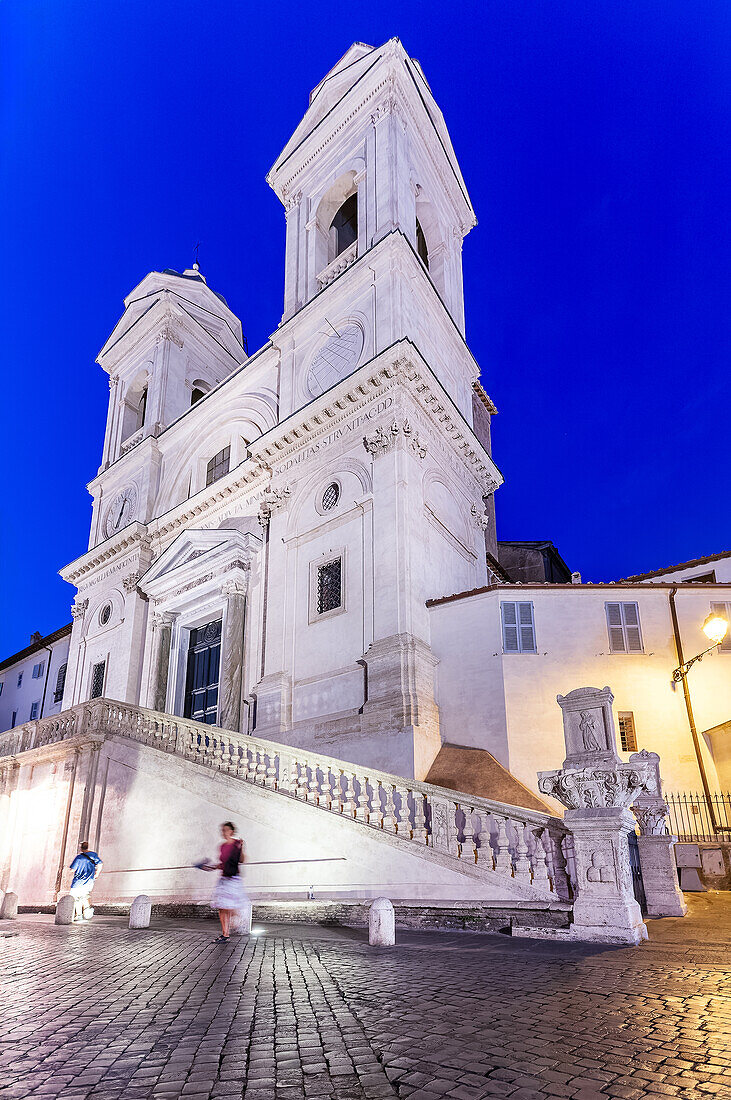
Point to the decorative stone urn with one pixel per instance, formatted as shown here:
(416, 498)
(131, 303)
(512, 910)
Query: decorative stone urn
(598, 788)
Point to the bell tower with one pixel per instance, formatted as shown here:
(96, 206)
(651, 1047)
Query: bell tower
(371, 157)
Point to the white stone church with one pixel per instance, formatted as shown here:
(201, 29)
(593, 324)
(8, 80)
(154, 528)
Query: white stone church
(298, 547)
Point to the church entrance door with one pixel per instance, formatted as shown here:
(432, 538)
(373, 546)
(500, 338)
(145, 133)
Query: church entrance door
(201, 683)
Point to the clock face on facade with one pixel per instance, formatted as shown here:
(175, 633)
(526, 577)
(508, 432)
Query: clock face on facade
(121, 511)
(336, 359)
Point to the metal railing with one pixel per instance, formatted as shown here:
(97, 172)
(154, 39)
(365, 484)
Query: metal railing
(692, 820)
(530, 849)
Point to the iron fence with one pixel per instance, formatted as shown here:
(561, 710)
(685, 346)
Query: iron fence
(691, 818)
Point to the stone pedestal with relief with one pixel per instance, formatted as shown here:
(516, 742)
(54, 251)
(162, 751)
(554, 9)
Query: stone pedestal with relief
(656, 845)
(598, 788)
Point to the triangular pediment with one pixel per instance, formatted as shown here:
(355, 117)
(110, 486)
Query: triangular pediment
(366, 67)
(195, 553)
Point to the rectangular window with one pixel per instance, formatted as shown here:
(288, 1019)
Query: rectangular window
(34, 708)
(218, 466)
(20, 678)
(97, 680)
(14, 719)
(38, 670)
(623, 623)
(725, 610)
(519, 634)
(627, 735)
(60, 684)
(1, 686)
(330, 586)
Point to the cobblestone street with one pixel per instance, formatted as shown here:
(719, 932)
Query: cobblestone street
(99, 1011)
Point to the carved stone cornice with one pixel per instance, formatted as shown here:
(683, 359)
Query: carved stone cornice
(480, 517)
(271, 501)
(168, 333)
(163, 618)
(134, 537)
(79, 609)
(292, 201)
(590, 788)
(384, 439)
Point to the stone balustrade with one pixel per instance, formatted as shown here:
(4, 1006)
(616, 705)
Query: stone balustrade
(337, 266)
(529, 847)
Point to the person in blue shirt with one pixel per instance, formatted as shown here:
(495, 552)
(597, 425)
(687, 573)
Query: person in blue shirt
(86, 866)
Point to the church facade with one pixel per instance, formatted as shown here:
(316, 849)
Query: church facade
(267, 529)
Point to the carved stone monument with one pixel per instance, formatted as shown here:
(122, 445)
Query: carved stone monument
(598, 788)
(656, 845)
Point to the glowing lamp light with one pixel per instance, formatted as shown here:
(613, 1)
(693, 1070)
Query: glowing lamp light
(715, 628)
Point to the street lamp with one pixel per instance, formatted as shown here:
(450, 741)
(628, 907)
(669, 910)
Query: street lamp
(715, 628)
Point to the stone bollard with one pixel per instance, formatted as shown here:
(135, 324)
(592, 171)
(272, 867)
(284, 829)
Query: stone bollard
(139, 912)
(9, 909)
(241, 924)
(65, 910)
(381, 924)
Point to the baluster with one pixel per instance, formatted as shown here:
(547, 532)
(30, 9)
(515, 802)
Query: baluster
(454, 847)
(361, 800)
(261, 767)
(403, 825)
(467, 847)
(389, 817)
(313, 787)
(375, 817)
(420, 832)
(557, 868)
(522, 863)
(503, 861)
(349, 803)
(332, 790)
(270, 779)
(251, 764)
(483, 852)
(302, 779)
(540, 870)
(284, 780)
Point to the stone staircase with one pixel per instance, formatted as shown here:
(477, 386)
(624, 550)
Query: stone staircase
(516, 855)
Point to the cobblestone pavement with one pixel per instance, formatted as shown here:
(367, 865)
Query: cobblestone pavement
(101, 1012)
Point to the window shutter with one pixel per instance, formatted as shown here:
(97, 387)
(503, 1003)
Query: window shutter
(510, 628)
(725, 610)
(60, 684)
(527, 633)
(614, 624)
(633, 638)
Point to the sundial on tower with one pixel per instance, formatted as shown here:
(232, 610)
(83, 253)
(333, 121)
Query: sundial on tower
(336, 359)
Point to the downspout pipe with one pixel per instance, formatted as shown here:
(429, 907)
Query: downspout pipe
(48, 673)
(689, 711)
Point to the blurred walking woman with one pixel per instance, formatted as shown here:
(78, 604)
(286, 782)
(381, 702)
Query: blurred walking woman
(229, 895)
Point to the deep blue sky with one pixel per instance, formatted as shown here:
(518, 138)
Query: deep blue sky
(594, 139)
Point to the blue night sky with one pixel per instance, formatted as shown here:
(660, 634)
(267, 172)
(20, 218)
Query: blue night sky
(594, 139)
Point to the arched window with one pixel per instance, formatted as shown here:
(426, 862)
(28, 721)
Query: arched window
(199, 389)
(345, 224)
(421, 246)
(142, 409)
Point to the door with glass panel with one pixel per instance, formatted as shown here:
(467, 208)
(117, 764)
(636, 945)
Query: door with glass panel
(201, 682)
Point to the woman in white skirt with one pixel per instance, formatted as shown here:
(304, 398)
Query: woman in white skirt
(229, 895)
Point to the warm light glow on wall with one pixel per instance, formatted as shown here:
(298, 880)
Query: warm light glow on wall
(715, 628)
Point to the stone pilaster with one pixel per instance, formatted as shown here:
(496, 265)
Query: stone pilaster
(598, 788)
(232, 657)
(655, 846)
(162, 626)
